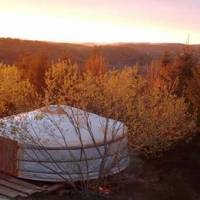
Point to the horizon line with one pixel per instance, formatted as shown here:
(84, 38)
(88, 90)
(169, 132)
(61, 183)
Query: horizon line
(96, 43)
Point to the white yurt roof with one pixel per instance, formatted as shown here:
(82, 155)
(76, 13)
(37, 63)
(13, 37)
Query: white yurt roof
(60, 126)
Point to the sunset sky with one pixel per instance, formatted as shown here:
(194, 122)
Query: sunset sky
(101, 21)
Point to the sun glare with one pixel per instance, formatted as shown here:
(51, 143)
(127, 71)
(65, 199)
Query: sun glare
(79, 26)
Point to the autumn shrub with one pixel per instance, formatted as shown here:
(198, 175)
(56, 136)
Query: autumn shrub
(16, 95)
(160, 120)
(155, 117)
(62, 84)
(180, 75)
(193, 92)
(120, 89)
(96, 65)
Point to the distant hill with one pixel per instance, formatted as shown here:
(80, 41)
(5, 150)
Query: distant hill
(117, 55)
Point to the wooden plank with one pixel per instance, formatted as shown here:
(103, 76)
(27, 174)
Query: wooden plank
(19, 182)
(17, 187)
(10, 192)
(12, 187)
(4, 197)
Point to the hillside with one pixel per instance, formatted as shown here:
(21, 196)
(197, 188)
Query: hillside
(13, 51)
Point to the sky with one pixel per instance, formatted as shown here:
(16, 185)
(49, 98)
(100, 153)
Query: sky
(101, 21)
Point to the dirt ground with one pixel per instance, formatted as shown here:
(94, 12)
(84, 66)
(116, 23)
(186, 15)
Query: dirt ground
(173, 177)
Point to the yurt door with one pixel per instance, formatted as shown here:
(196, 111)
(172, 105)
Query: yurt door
(8, 156)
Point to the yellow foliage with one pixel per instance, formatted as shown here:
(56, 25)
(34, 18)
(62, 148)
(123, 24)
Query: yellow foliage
(62, 81)
(156, 119)
(193, 89)
(95, 65)
(159, 121)
(15, 95)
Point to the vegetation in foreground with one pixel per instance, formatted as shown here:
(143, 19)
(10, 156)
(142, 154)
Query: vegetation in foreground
(160, 108)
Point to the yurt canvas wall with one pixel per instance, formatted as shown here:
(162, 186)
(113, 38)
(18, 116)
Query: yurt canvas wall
(61, 143)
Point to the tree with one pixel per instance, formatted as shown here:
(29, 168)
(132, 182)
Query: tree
(16, 95)
(33, 67)
(183, 70)
(62, 81)
(174, 74)
(193, 92)
(95, 64)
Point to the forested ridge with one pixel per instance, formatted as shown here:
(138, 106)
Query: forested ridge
(118, 55)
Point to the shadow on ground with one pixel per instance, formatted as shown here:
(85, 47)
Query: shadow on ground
(175, 176)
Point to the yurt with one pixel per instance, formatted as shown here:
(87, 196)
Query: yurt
(61, 143)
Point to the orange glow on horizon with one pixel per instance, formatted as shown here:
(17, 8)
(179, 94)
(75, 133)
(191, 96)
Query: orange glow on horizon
(79, 25)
